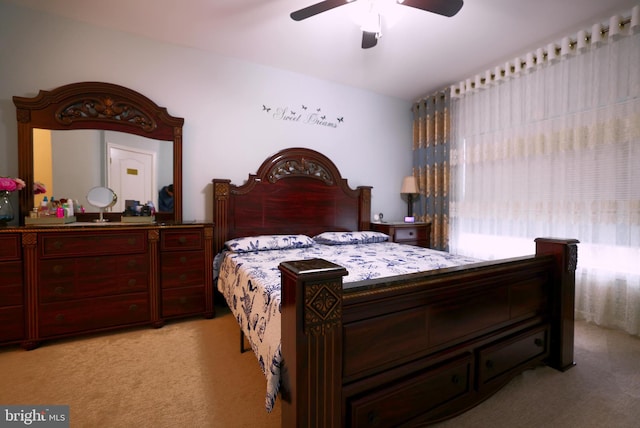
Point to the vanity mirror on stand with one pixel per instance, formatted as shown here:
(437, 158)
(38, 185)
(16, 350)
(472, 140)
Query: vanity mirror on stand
(93, 275)
(101, 198)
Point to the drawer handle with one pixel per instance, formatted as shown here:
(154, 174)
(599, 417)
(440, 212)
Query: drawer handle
(183, 277)
(57, 245)
(132, 263)
(489, 364)
(183, 259)
(58, 269)
(59, 290)
(183, 300)
(455, 379)
(133, 307)
(60, 317)
(538, 342)
(182, 239)
(373, 419)
(410, 233)
(132, 241)
(132, 282)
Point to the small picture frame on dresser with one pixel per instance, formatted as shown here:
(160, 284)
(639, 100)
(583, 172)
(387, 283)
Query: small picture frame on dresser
(408, 219)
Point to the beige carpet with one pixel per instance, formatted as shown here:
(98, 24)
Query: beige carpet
(191, 374)
(186, 374)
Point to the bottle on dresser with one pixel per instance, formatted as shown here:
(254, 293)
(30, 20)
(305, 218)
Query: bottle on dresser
(70, 208)
(53, 206)
(43, 209)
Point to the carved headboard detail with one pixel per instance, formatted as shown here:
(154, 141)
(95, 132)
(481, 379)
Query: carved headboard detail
(303, 167)
(296, 190)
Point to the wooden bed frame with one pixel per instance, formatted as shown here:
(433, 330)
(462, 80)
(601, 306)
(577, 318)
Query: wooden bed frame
(403, 351)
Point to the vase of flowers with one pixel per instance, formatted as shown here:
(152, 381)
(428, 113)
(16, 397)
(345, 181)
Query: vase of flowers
(6, 209)
(8, 185)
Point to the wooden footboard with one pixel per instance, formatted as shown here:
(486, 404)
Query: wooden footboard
(422, 347)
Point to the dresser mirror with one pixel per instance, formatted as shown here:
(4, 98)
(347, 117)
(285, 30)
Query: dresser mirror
(86, 127)
(134, 167)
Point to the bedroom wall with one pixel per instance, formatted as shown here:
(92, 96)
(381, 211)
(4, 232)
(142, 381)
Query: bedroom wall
(236, 113)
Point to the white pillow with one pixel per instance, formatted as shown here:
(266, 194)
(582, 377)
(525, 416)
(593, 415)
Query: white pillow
(268, 242)
(357, 237)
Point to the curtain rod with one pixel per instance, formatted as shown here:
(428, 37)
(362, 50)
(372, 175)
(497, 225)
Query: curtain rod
(604, 29)
(541, 54)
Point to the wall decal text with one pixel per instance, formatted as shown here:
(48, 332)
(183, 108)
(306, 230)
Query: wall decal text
(303, 115)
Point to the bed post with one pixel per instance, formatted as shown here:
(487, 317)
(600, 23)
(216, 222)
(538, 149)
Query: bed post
(221, 190)
(364, 204)
(565, 252)
(311, 316)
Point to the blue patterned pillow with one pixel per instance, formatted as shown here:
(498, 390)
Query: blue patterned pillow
(268, 242)
(342, 238)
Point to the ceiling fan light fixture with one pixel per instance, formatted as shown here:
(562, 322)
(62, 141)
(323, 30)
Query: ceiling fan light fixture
(372, 23)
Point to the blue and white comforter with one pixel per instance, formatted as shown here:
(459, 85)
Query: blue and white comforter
(250, 283)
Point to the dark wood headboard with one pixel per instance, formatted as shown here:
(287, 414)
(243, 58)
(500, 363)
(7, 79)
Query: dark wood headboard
(295, 191)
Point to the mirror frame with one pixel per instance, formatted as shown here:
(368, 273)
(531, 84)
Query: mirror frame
(95, 105)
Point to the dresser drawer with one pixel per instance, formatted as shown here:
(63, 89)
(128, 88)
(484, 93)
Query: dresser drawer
(82, 277)
(504, 356)
(413, 233)
(181, 269)
(406, 233)
(400, 402)
(92, 268)
(182, 239)
(183, 301)
(91, 244)
(93, 314)
(11, 283)
(9, 247)
(11, 295)
(66, 290)
(11, 324)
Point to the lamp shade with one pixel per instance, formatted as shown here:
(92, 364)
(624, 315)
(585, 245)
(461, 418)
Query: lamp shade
(409, 185)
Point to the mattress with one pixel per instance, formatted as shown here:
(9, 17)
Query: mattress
(250, 284)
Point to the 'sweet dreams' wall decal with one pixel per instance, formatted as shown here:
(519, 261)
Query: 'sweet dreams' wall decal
(303, 115)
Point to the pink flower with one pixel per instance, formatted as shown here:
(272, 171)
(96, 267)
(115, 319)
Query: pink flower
(39, 188)
(11, 184)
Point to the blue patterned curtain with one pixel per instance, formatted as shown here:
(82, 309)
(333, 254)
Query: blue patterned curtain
(431, 139)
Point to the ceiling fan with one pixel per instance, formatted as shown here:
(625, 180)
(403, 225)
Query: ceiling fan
(371, 28)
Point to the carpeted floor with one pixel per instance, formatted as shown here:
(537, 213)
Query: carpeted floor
(190, 373)
(186, 374)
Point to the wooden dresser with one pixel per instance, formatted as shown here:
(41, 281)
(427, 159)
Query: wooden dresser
(406, 233)
(12, 325)
(70, 280)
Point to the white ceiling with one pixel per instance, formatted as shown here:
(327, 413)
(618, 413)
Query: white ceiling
(419, 52)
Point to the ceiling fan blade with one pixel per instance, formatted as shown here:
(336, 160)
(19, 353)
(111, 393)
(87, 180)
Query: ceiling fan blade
(441, 7)
(317, 8)
(369, 39)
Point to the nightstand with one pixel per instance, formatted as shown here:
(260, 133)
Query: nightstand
(406, 233)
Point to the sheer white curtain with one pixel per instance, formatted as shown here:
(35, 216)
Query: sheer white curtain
(550, 147)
